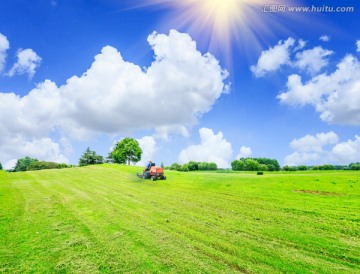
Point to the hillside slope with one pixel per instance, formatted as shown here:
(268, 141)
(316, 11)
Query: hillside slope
(103, 219)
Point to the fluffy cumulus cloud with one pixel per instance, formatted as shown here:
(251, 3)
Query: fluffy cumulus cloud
(27, 63)
(323, 148)
(115, 96)
(4, 46)
(312, 60)
(212, 148)
(311, 143)
(347, 152)
(309, 60)
(273, 58)
(244, 152)
(148, 146)
(358, 45)
(335, 96)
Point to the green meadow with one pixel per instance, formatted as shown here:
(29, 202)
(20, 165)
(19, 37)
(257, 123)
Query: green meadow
(103, 219)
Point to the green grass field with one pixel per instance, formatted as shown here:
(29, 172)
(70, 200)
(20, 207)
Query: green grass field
(103, 219)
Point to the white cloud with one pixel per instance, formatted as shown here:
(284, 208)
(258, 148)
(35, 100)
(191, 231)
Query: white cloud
(312, 60)
(347, 152)
(114, 96)
(315, 143)
(358, 45)
(273, 58)
(301, 45)
(27, 63)
(302, 158)
(245, 152)
(4, 46)
(212, 148)
(323, 148)
(336, 96)
(43, 149)
(324, 38)
(148, 146)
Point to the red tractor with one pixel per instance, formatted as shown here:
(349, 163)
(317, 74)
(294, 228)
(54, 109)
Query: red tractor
(153, 174)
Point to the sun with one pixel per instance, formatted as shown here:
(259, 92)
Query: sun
(220, 24)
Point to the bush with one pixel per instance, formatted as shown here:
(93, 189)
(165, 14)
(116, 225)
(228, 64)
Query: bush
(38, 165)
(260, 173)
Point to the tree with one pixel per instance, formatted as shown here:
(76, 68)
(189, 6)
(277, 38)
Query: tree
(263, 167)
(0, 166)
(127, 150)
(22, 164)
(212, 166)
(192, 165)
(251, 164)
(90, 158)
(354, 166)
(175, 166)
(237, 165)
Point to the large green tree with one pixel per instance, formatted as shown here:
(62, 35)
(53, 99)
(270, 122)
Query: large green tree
(23, 163)
(90, 158)
(125, 151)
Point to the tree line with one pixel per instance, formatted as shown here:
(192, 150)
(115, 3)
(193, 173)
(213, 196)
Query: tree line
(193, 166)
(128, 151)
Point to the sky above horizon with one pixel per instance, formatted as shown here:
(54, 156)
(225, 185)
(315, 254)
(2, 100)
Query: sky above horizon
(205, 80)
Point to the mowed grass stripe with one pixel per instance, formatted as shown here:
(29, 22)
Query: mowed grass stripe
(109, 220)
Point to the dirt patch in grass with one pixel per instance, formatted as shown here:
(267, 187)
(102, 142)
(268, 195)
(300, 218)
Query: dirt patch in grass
(317, 192)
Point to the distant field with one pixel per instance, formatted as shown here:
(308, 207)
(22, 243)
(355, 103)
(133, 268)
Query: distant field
(103, 219)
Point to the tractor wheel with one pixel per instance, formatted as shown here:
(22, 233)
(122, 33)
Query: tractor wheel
(153, 178)
(163, 177)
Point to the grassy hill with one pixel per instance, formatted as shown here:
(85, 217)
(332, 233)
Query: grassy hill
(103, 219)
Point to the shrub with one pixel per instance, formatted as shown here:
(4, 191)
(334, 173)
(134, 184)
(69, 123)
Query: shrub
(38, 165)
(260, 173)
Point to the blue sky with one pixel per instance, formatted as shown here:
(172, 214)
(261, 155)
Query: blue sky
(203, 80)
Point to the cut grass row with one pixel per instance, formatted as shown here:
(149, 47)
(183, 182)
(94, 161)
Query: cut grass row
(103, 219)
